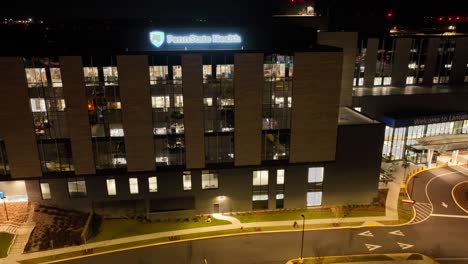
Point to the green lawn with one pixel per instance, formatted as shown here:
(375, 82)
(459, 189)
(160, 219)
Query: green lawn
(5, 241)
(118, 228)
(322, 213)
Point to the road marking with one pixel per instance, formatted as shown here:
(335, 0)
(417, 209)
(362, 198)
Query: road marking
(397, 233)
(452, 216)
(453, 195)
(444, 205)
(367, 233)
(405, 246)
(371, 247)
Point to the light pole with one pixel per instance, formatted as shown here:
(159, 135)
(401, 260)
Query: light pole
(4, 205)
(302, 243)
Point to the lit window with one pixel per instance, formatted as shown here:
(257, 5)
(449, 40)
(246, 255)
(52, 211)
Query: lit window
(224, 71)
(207, 74)
(45, 191)
(77, 188)
(208, 101)
(387, 80)
(119, 161)
(314, 198)
(110, 75)
(209, 180)
(315, 175)
(358, 109)
(36, 77)
(160, 130)
(280, 176)
(279, 102)
(60, 105)
(153, 184)
(111, 190)
(158, 74)
(177, 72)
(160, 102)
(279, 196)
(90, 75)
(260, 178)
(56, 77)
(178, 100)
(133, 183)
(38, 105)
(227, 102)
(162, 159)
(114, 105)
(260, 197)
(116, 130)
(187, 181)
(275, 71)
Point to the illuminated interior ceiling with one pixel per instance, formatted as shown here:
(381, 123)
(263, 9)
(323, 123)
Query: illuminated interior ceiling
(443, 142)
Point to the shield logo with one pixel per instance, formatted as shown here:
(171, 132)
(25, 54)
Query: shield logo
(157, 38)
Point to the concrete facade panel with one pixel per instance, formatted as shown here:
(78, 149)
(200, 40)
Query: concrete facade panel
(192, 79)
(15, 115)
(71, 69)
(371, 62)
(136, 112)
(348, 42)
(316, 95)
(400, 61)
(248, 87)
(460, 60)
(431, 60)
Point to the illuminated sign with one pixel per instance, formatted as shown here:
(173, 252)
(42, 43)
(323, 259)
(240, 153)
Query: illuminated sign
(159, 38)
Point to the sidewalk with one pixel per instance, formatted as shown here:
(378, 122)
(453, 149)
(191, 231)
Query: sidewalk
(391, 213)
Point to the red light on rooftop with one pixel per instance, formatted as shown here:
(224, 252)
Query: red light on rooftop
(458, 18)
(440, 18)
(292, 1)
(450, 19)
(389, 14)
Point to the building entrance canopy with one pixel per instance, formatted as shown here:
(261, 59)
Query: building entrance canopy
(443, 142)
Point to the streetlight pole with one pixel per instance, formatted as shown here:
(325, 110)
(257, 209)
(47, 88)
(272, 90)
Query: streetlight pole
(4, 205)
(302, 243)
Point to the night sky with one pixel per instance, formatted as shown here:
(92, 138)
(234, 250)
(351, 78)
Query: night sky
(240, 9)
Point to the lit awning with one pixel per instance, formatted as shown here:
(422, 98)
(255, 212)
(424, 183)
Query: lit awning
(444, 142)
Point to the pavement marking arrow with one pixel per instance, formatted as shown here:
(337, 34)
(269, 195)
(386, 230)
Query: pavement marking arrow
(371, 247)
(444, 205)
(405, 246)
(367, 233)
(397, 233)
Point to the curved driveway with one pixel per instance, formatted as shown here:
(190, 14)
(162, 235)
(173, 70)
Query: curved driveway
(443, 235)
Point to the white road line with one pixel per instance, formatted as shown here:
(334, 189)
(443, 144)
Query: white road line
(371, 247)
(444, 205)
(397, 233)
(404, 246)
(453, 196)
(451, 216)
(366, 233)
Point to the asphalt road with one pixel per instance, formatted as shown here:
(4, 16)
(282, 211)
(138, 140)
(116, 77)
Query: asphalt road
(442, 235)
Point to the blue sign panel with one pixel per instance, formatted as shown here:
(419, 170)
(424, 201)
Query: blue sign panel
(2, 195)
(423, 120)
(198, 41)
